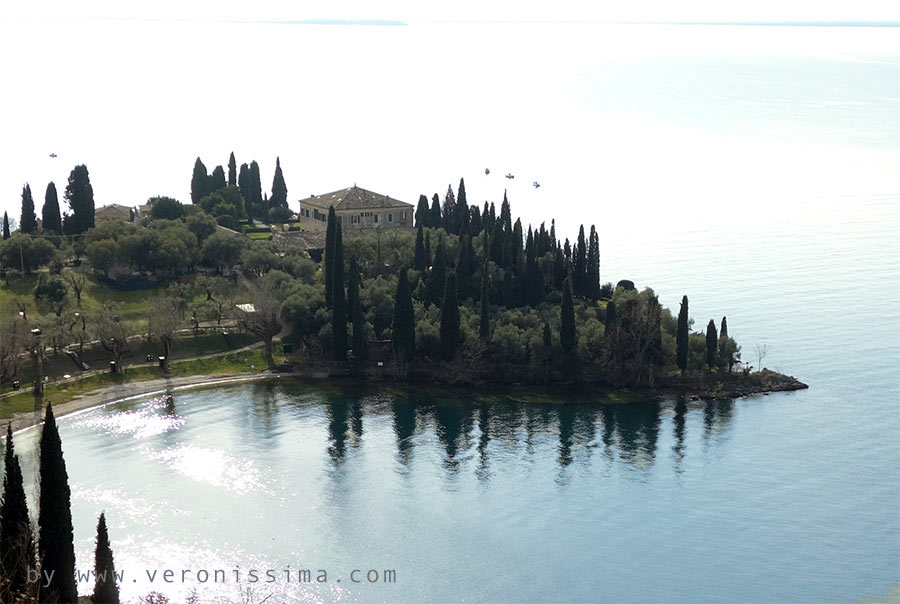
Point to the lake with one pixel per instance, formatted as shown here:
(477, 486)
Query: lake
(754, 170)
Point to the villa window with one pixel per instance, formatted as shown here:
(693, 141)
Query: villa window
(376, 218)
(390, 218)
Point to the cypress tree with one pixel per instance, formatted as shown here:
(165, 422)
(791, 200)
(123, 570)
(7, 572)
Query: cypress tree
(105, 589)
(80, 195)
(435, 220)
(449, 219)
(593, 266)
(422, 212)
(462, 209)
(404, 324)
(255, 184)
(506, 214)
(232, 170)
(438, 276)
(16, 540)
(484, 325)
(28, 219)
(55, 547)
(450, 319)
(712, 342)
(51, 220)
(217, 179)
(419, 259)
(726, 347)
(534, 280)
(681, 340)
(567, 332)
(244, 188)
(464, 274)
(279, 188)
(329, 257)
(339, 303)
(579, 272)
(5, 226)
(553, 240)
(497, 245)
(474, 221)
(199, 182)
(486, 222)
(559, 269)
(352, 286)
(428, 258)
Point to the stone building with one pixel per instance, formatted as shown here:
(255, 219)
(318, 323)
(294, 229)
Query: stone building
(357, 210)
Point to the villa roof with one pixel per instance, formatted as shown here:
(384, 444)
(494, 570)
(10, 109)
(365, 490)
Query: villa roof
(354, 198)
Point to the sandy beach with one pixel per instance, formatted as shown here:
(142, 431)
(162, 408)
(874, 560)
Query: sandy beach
(112, 394)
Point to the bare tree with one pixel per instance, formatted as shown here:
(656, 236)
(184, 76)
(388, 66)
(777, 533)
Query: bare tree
(761, 351)
(77, 282)
(164, 322)
(263, 319)
(112, 332)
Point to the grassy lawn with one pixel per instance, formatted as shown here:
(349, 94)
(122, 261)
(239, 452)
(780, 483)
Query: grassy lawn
(230, 364)
(259, 235)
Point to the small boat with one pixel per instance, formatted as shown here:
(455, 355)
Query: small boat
(510, 176)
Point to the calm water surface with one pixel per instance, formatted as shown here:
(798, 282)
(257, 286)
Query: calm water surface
(788, 497)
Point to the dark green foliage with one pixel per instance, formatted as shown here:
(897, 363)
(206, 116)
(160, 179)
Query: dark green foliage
(80, 196)
(339, 302)
(506, 214)
(474, 221)
(497, 238)
(279, 188)
(422, 212)
(610, 323)
(559, 269)
(244, 188)
(435, 220)
(419, 258)
(462, 209)
(403, 326)
(199, 182)
(202, 225)
(51, 292)
(463, 271)
(428, 256)
(55, 548)
(51, 219)
(712, 343)
(579, 267)
(448, 221)
(26, 252)
(626, 284)
(217, 179)
(567, 333)
(354, 308)
(450, 333)
(16, 540)
(105, 589)
(728, 351)
(484, 324)
(534, 279)
(592, 276)
(165, 207)
(255, 198)
(681, 339)
(232, 171)
(28, 219)
(437, 276)
(5, 226)
(329, 257)
(279, 215)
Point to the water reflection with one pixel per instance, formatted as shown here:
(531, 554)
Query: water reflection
(495, 425)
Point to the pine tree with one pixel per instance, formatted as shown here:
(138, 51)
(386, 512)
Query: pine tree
(329, 257)
(422, 212)
(450, 319)
(80, 195)
(51, 220)
(339, 303)
(28, 219)
(437, 276)
(232, 170)
(55, 547)
(403, 327)
(462, 209)
(567, 332)
(5, 226)
(463, 273)
(681, 339)
(16, 540)
(419, 259)
(105, 589)
(712, 342)
(217, 179)
(435, 220)
(484, 325)
(199, 182)
(279, 188)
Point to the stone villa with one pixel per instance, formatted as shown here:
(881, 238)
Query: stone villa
(357, 210)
